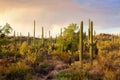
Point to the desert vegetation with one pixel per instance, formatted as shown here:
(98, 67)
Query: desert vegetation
(72, 55)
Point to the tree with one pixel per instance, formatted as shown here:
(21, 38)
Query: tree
(70, 38)
(7, 29)
(1, 29)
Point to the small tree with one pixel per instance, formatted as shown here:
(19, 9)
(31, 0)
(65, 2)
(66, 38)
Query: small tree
(1, 29)
(7, 29)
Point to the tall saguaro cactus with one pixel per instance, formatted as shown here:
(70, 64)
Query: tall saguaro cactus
(34, 34)
(81, 44)
(89, 30)
(91, 42)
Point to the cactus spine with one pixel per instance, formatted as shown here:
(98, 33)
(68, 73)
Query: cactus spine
(91, 42)
(34, 34)
(81, 44)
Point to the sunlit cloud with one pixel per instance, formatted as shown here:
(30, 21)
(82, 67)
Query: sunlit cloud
(54, 14)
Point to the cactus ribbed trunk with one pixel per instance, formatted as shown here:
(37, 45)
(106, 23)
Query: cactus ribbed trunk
(81, 44)
(34, 34)
(91, 42)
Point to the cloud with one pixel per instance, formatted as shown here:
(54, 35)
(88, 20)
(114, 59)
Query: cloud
(54, 14)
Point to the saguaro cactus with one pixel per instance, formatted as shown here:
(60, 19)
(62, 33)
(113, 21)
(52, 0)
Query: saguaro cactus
(113, 39)
(34, 34)
(91, 42)
(49, 34)
(89, 31)
(94, 33)
(61, 40)
(28, 38)
(49, 39)
(14, 36)
(20, 38)
(81, 44)
(43, 36)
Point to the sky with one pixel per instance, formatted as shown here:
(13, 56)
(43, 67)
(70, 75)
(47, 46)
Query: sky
(56, 14)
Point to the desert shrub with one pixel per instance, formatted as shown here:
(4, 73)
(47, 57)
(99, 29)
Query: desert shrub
(9, 50)
(23, 48)
(73, 74)
(17, 71)
(64, 76)
(45, 67)
(65, 56)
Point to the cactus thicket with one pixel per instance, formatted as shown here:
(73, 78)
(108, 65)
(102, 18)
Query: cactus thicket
(91, 42)
(81, 44)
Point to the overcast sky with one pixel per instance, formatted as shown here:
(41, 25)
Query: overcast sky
(54, 14)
